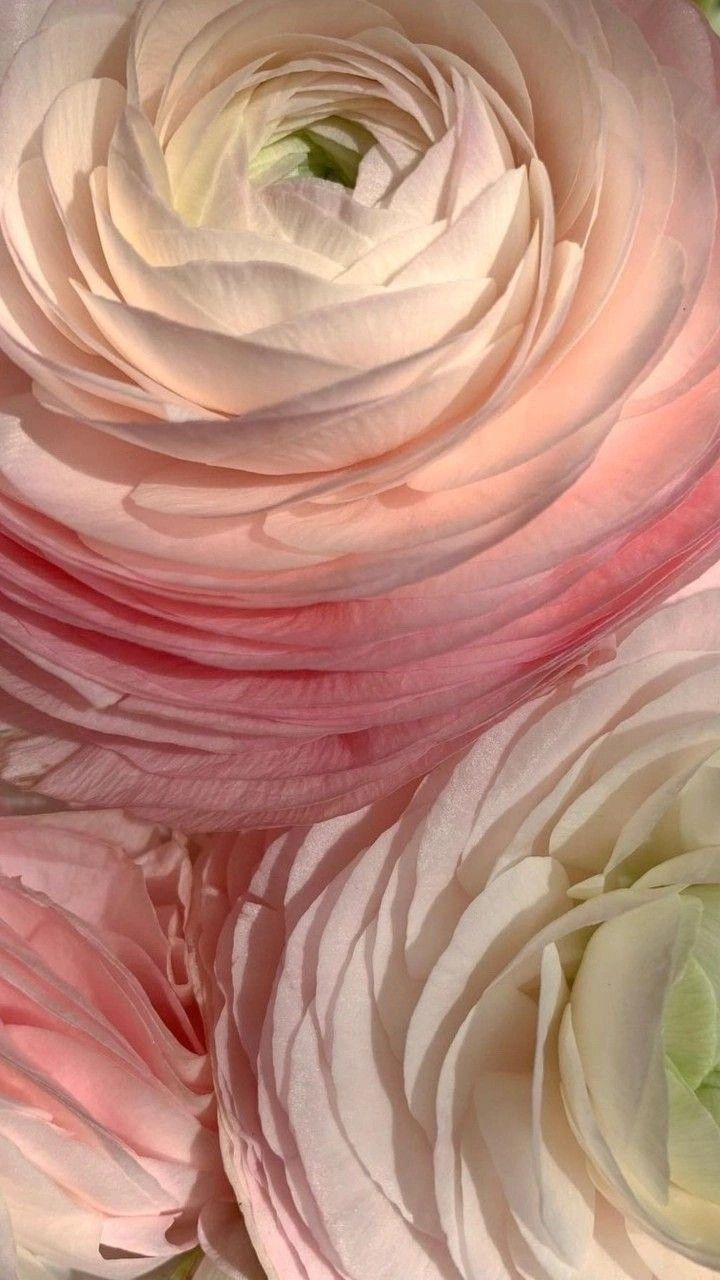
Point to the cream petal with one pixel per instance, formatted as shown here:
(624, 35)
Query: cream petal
(561, 76)
(160, 236)
(391, 1245)
(566, 1199)
(598, 390)
(439, 897)
(31, 339)
(506, 1130)
(197, 363)
(380, 169)
(395, 983)
(423, 194)
(30, 1186)
(487, 238)
(135, 146)
(694, 184)
(232, 297)
(375, 407)
(382, 328)
(368, 430)
(483, 942)
(480, 1219)
(72, 379)
(610, 1257)
(8, 1253)
(699, 814)
(399, 84)
(617, 214)
(478, 40)
(162, 32)
(179, 489)
(633, 958)
(231, 37)
(586, 826)
(582, 1116)
(461, 465)
(385, 261)
(34, 236)
(301, 220)
(457, 1181)
(74, 49)
(503, 1108)
(70, 152)
(666, 1263)
(407, 520)
(394, 1151)
(483, 154)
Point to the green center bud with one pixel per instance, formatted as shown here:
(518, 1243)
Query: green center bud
(331, 149)
(640, 1060)
(691, 1039)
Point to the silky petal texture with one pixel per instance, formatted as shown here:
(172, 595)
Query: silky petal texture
(302, 485)
(109, 1150)
(430, 1055)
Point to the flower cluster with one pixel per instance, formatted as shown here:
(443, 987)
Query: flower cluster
(359, 640)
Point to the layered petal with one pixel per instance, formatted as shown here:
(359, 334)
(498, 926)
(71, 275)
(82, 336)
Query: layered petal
(441, 1024)
(107, 1119)
(321, 327)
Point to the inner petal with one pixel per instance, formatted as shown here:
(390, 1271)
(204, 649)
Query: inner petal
(331, 149)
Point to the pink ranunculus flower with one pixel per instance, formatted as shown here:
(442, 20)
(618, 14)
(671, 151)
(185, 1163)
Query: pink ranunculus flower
(374, 352)
(109, 1152)
(472, 1033)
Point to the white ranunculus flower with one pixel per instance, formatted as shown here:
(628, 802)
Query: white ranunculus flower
(473, 1034)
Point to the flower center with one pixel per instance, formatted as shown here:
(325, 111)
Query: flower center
(642, 1032)
(691, 1037)
(331, 149)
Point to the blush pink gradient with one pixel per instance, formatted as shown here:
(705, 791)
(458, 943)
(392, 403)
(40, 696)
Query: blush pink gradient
(109, 1151)
(278, 535)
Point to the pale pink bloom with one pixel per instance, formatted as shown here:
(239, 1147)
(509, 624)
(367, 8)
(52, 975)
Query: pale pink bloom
(109, 1149)
(391, 995)
(312, 482)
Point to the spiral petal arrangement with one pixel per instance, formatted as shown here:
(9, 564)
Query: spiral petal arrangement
(473, 1031)
(361, 368)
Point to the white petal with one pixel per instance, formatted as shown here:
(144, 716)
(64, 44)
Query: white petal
(617, 1005)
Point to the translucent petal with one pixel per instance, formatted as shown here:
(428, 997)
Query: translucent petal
(689, 1025)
